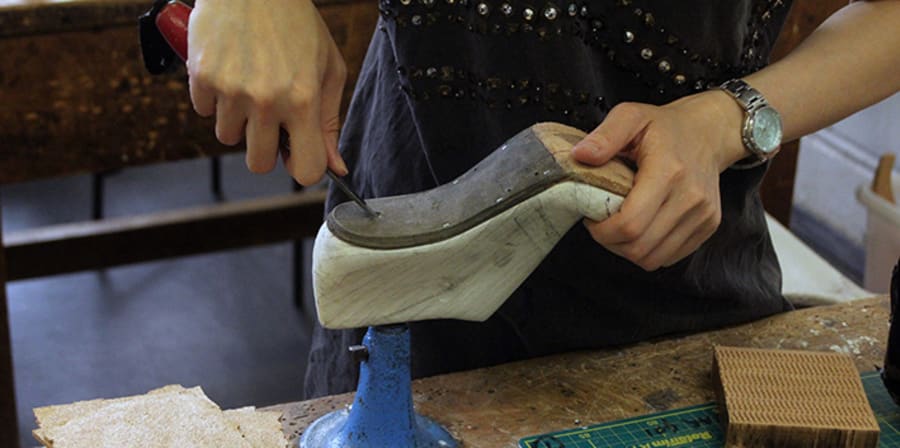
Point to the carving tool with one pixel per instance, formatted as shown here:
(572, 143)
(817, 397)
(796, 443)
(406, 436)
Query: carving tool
(349, 192)
(163, 32)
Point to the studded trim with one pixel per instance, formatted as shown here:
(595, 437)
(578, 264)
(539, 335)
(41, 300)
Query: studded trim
(631, 36)
(450, 82)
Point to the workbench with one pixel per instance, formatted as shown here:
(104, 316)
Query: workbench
(77, 100)
(496, 406)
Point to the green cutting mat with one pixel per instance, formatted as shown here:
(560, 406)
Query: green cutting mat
(696, 426)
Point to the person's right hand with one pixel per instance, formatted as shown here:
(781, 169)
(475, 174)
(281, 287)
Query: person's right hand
(260, 65)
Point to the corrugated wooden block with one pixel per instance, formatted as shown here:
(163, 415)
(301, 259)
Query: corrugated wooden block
(786, 398)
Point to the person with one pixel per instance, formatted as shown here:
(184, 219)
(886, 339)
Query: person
(445, 82)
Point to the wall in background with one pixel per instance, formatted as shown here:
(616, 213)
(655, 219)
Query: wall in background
(833, 163)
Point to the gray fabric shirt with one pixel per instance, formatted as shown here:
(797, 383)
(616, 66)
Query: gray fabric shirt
(445, 82)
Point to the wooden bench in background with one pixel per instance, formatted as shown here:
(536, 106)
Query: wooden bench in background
(75, 99)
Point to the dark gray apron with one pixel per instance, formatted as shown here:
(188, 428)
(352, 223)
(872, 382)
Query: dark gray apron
(447, 81)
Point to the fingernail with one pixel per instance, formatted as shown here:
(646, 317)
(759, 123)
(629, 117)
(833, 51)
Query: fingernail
(599, 142)
(342, 167)
(590, 150)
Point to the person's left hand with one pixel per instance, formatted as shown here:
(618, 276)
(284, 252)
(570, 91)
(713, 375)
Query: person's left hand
(680, 150)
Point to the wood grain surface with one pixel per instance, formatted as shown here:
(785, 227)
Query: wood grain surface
(495, 407)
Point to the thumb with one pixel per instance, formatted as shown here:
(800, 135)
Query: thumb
(622, 125)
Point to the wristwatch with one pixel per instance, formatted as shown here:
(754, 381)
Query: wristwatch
(762, 131)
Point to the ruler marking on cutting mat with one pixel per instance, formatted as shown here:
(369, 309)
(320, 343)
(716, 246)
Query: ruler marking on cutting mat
(633, 432)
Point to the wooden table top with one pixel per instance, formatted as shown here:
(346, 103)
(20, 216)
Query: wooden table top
(496, 406)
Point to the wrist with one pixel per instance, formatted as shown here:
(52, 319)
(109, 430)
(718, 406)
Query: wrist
(730, 117)
(724, 118)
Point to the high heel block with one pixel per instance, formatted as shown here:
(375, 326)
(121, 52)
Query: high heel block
(459, 250)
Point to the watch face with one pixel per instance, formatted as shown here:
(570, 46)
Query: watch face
(767, 129)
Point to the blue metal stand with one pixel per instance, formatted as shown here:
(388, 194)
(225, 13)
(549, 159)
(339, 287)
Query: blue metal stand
(382, 414)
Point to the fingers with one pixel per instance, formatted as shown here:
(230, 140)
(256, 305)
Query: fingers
(652, 185)
(665, 217)
(645, 249)
(264, 75)
(230, 119)
(674, 205)
(702, 233)
(312, 142)
(671, 237)
(262, 143)
(619, 131)
(261, 129)
(307, 160)
(682, 227)
(202, 97)
(682, 224)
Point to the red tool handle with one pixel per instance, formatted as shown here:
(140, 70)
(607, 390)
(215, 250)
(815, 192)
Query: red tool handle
(172, 23)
